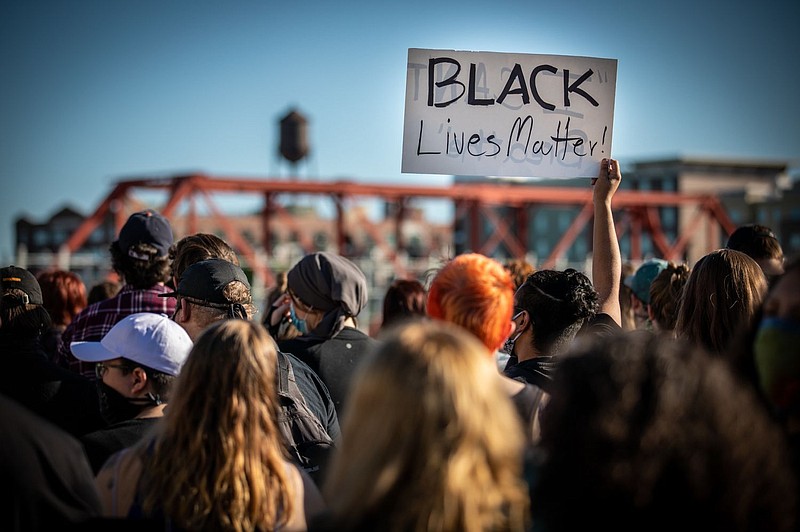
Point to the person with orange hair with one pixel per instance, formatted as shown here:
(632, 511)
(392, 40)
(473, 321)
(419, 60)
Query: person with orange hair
(64, 296)
(477, 294)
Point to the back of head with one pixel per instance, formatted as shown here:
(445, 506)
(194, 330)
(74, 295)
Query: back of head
(558, 304)
(141, 252)
(217, 285)
(756, 241)
(661, 435)
(404, 299)
(22, 314)
(458, 468)
(519, 269)
(332, 284)
(666, 291)
(476, 293)
(760, 243)
(194, 248)
(209, 432)
(721, 295)
(642, 278)
(102, 291)
(64, 295)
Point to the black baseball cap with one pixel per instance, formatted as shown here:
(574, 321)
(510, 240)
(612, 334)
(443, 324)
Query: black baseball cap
(145, 227)
(21, 279)
(206, 280)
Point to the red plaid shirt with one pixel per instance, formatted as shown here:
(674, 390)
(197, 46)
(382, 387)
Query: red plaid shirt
(93, 322)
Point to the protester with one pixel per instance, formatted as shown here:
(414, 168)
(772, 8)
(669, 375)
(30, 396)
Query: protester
(277, 319)
(666, 292)
(760, 243)
(477, 294)
(326, 294)
(721, 296)
(767, 355)
(194, 248)
(136, 363)
(48, 484)
(647, 434)
(103, 290)
(64, 295)
(431, 441)
(519, 269)
(639, 283)
(553, 307)
(208, 291)
(216, 460)
(140, 257)
(404, 299)
(29, 376)
(213, 290)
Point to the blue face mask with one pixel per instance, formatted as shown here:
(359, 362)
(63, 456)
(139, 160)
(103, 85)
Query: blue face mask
(299, 324)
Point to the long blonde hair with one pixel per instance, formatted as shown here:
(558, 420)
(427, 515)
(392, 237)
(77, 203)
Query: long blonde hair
(217, 462)
(430, 441)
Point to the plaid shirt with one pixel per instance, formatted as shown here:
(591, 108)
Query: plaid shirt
(93, 322)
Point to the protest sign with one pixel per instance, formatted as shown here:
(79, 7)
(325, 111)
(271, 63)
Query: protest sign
(503, 114)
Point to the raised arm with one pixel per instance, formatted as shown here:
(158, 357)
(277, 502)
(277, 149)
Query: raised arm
(606, 258)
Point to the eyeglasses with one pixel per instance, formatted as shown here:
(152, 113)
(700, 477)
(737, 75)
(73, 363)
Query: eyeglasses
(101, 369)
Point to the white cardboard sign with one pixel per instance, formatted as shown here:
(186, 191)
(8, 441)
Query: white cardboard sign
(501, 114)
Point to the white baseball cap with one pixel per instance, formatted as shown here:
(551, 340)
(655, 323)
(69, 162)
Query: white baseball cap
(152, 340)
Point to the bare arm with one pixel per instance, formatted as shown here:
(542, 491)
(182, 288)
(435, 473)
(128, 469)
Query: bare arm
(606, 258)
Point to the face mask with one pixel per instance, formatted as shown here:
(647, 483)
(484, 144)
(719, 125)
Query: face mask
(299, 324)
(777, 359)
(115, 407)
(508, 347)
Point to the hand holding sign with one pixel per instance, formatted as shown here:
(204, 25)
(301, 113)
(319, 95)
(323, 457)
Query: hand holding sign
(493, 114)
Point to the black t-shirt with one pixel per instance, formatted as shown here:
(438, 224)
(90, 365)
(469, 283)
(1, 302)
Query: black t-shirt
(333, 359)
(601, 324)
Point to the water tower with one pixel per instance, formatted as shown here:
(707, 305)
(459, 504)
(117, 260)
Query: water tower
(294, 139)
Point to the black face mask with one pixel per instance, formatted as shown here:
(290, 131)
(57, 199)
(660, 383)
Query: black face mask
(115, 407)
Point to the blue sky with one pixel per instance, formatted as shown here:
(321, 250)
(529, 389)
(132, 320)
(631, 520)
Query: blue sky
(97, 91)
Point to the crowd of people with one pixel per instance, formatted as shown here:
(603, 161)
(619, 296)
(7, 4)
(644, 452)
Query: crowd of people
(493, 396)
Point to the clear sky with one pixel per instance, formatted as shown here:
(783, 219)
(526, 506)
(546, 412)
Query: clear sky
(97, 91)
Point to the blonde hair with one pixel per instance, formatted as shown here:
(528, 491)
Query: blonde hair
(218, 461)
(430, 439)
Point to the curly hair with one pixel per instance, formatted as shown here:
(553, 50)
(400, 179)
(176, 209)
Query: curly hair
(660, 434)
(445, 445)
(138, 273)
(666, 291)
(558, 303)
(217, 460)
(477, 293)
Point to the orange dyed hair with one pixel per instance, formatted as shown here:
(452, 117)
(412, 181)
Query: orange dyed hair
(476, 293)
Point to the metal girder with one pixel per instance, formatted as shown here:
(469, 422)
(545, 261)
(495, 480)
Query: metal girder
(640, 210)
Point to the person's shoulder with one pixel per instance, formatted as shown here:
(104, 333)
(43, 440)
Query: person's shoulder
(601, 324)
